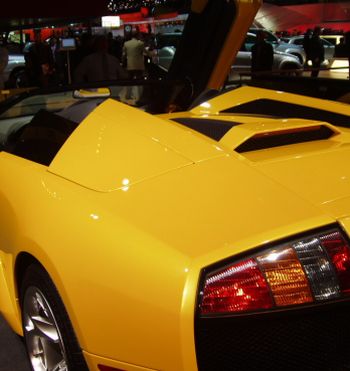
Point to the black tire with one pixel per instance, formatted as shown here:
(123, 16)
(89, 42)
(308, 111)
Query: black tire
(17, 79)
(290, 69)
(37, 280)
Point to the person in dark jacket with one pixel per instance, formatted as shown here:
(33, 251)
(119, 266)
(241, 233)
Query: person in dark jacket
(39, 62)
(316, 52)
(347, 48)
(262, 55)
(306, 44)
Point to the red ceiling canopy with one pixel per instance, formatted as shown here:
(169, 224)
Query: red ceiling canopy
(62, 8)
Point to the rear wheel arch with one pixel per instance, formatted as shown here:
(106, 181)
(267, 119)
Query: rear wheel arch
(23, 261)
(32, 279)
(299, 56)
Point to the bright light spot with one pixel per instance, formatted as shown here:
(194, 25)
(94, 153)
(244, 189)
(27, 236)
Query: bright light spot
(285, 120)
(110, 21)
(279, 92)
(125, 182)
(94, 216)
(218, 148)
(273, 257)
(205, 105)
(186, 270)
(125, 189)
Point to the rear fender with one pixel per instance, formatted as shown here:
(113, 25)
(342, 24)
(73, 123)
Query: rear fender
(8, 299)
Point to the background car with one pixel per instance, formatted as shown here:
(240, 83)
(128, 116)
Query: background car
(14, 70)
(281, 46)
(334, 39)
(283, 62)
(329, 48)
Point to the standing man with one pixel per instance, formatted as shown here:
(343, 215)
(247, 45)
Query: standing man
(4, 58)
(306, 44)
(100, 65)
(347, 48)
(262, 55)
(316, 52)
(39, 62)
(133, 52)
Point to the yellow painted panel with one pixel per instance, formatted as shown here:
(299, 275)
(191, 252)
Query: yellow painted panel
(104, 152)
(246, 94)
(127, 263)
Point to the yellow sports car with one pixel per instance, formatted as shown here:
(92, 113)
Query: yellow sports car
(215, 238)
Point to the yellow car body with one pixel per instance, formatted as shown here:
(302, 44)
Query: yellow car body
(134, 206)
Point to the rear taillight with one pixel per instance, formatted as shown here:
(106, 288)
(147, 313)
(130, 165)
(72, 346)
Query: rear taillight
(303, 271)
(338, 250)
(239, 287)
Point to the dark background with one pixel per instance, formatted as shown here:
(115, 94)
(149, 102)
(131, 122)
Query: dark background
(12, 352)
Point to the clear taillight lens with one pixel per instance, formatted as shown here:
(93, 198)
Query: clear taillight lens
(307, 270)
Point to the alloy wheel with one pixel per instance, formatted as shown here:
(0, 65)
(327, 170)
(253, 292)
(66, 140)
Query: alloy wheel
(44, 342)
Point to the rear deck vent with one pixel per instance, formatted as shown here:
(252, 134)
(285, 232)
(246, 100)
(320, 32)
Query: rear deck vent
(285, 137)
(278, 109)
(214, 129)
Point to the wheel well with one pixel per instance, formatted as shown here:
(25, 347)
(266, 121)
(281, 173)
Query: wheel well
(299, 56)
(23, 261)
(16, 70)
(289, 66)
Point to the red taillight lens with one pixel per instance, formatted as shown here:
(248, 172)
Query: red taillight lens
(239, 287)
(307, 270)
(339, 252)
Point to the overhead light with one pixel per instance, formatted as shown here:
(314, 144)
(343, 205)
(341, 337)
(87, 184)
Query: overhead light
(110, 21)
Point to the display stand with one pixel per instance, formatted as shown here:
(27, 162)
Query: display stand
(67, 45)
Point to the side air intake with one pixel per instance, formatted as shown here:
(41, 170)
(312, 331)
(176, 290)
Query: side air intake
(285, 137)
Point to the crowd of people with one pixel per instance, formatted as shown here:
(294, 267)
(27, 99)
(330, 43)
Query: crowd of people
(105, 57)
(94, 58)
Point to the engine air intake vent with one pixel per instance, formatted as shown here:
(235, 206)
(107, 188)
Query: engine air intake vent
(214, 129)
(285, 137)
(276, 108)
